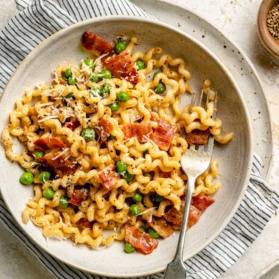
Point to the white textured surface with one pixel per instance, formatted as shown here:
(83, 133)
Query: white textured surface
(237, 20)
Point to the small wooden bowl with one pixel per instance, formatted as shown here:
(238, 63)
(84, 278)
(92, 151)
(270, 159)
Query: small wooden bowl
(266, 38)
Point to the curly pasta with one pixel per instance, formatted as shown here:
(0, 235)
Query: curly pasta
(83, 129)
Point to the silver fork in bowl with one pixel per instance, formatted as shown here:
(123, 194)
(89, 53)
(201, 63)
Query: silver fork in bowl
(194, 162)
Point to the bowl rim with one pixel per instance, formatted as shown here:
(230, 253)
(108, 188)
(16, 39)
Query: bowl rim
(266, 38)
(226, 71)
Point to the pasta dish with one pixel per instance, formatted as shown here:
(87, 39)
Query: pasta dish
(102, 146)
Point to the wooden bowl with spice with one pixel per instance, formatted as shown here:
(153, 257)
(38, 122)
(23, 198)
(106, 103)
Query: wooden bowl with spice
(268, 25)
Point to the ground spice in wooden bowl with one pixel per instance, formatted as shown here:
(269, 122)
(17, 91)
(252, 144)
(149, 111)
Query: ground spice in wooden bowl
(268, 26)
(272, 22)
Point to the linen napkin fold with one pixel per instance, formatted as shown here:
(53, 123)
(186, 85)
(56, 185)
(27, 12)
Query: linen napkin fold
(39, 19)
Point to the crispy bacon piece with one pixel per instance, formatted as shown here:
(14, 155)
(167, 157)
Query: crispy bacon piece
(202, 202)
(142, 241)
(49, 143)
(198, 137)
(141, 131)
(122, 66)
(84, 224)
(106, 128)
(79, 195)
(58, 164)
(194, 216)
(72, 124)
(160, 225)
(163, 134)
(108, 177)
(165, 174)
(199, 204)
(96, 44)
(174, 216)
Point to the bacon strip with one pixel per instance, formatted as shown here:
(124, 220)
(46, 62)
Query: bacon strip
(142, 241)
(198, 137)
(160, 225)
(163, 134)
(58, 164)
(164, 174)
(108, 177)
(49, 143)
(122, 66)
(202, 202)
(140, 131)
(72, 124)
(84, 224)
(175, 216)
(79, 195)
(194, 216)
(199, 204)
(96, 44)
(106, 128)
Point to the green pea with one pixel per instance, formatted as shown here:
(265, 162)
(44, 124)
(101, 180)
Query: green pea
(68, 73)
(114, 106)
(110, 137)
(106, 88)
(95, 91)
(49, 193)
(137, 197)
(65, 78)
(129, 248)
(70, 95)
(123, 96)
(44, 176)
(38, 154)
(64, 202)
(160, 88)
(88, 134)
(89, 63)
(121, 167)
(94, 77)
(27, 178)
(139, 65)
(120, 46)
(153, 233)
(158, 198)
(134, 209)
(128, 176)
(72, 81)
(105, 74)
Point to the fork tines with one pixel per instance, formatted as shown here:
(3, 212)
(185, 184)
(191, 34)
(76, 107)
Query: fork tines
(203, 100)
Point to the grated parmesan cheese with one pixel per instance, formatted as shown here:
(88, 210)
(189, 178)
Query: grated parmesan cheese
(61, 154)
(48, 117)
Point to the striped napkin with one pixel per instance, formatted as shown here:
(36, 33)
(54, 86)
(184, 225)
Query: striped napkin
(37, 20)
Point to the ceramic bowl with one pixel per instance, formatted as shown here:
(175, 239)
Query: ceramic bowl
(235, 158)
(266, 38)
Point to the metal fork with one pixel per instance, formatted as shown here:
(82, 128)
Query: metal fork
(194, 162)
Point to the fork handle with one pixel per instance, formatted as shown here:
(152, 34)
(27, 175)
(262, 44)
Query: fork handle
(176, 268)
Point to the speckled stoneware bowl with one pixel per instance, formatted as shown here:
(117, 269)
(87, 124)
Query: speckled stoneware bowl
(235, 157)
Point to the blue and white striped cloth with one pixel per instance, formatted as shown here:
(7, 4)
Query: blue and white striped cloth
(39, 19)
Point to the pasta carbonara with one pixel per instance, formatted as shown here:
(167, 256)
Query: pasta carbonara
(102, 147)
